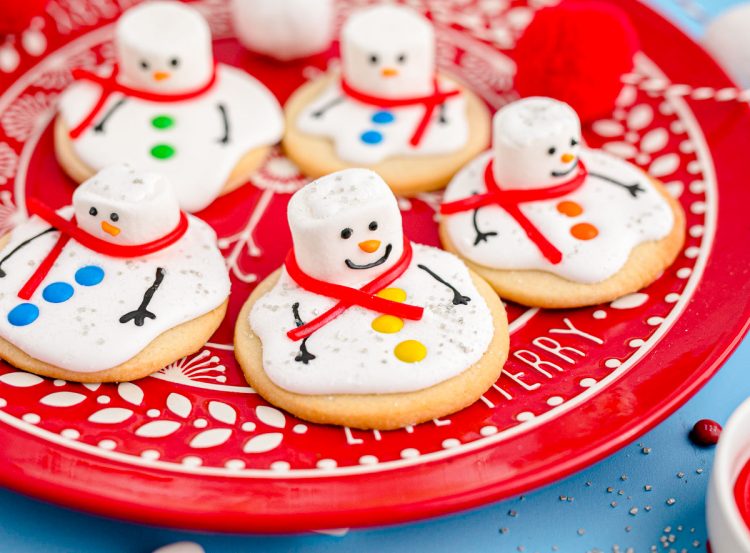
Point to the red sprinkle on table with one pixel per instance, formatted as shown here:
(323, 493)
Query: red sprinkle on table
(705, 432)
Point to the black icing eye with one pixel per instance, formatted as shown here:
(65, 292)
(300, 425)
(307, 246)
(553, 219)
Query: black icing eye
(114, 217)
(144, 64)
(373, 225)
(346, 233)
(93, 212)
(401, 58)
(573, 142)
(373, 59)
(174, 62)
(552, 151)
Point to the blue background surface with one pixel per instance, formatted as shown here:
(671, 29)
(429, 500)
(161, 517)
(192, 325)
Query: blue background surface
(576, 515)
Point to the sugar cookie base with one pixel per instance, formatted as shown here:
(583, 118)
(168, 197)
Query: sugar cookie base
(376, 411)
(79, 171)
(406, 175)
(536, 288)
(166, 348)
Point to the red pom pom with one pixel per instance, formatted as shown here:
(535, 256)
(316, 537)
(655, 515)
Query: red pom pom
(577, 52)
(15, 15)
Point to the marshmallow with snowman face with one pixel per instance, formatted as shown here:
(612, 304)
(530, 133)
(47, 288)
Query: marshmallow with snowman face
(536, 143)
(389, 51)
(122, 206)
(164, 47)
(346, 227)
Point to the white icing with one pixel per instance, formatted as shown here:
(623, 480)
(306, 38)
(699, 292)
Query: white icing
(156, 33)
(128, 207)
(535, 142)
(347, 121)
(388, 52)
(351, 357)
(349, 199)
(623, 222)
(202, 163)
(84, 333)
(163, 47)
(284, 29)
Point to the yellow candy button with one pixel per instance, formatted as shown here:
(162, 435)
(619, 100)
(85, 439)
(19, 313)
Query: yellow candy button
(410, 351)
(393, 294)
(387, 324)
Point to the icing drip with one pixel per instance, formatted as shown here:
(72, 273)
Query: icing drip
(365, 133)
(351, 356)
(197, 142)
(619, 209)
(74, 320)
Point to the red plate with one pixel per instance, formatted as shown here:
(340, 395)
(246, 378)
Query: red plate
(194, 447)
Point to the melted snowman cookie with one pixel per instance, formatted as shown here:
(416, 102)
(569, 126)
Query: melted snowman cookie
(388, 109)
(168, 107)
(362, 328)
(552, 224)
(112, 288)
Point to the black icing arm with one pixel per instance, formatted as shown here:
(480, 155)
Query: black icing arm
(225, 122)
(320, 112)
(99, 127)
(303, 356)
(20, 247)
(458, 298)
(481, 236)
(140, 315)
(633, 189)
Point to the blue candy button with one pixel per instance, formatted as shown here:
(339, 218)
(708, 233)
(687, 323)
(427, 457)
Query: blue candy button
(90, 275)
(57, 292)
(23, 314)
(371, 137)
(383, 117)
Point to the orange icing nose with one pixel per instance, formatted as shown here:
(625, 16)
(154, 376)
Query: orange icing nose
(369, 246)
(160, 75)
(389, 72)
(110, 229)
(567, 158)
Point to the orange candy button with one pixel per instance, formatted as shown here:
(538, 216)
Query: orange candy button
(584, 231)
(571, 209)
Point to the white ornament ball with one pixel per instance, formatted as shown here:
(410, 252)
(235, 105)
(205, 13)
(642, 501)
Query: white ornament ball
(284, 29)
(727, 38)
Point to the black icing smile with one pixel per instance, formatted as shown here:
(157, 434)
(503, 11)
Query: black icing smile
(563, 173)
(352, 265)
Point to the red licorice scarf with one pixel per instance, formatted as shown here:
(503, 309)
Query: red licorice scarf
(430, 102)
(109, 85)
(69, 229)
(511, 200)
(348, 297)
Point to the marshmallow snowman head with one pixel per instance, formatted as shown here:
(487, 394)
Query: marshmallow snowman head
(124, 206)
(389, 51)
(346, 227)
(164, 47)
(535, 143)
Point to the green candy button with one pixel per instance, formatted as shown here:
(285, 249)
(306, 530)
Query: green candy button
(162, 122)
(162, 151)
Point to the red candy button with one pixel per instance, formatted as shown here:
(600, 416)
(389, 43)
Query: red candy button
(705, 432)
